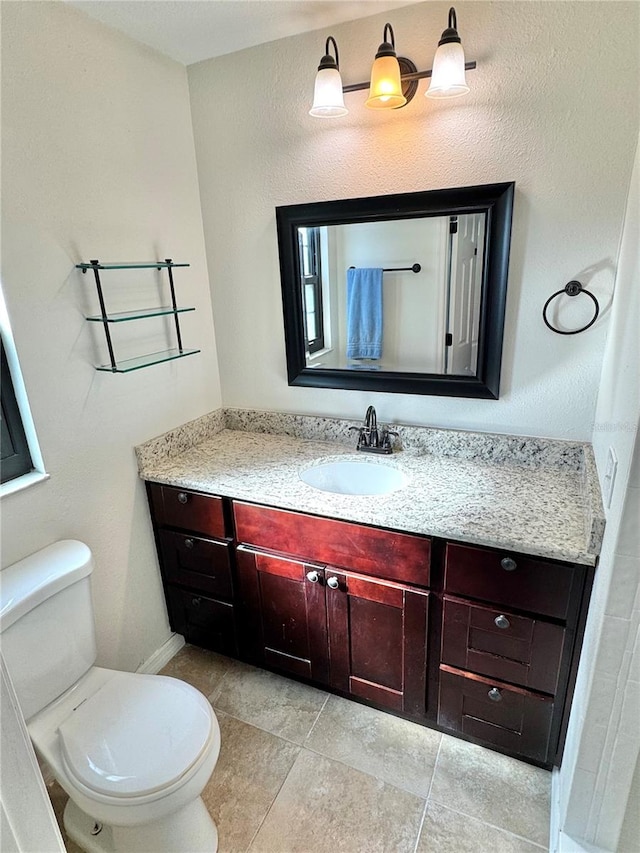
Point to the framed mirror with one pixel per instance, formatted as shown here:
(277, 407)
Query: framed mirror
(399, 293)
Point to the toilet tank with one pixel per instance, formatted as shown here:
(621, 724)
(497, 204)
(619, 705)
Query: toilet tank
(47, 632)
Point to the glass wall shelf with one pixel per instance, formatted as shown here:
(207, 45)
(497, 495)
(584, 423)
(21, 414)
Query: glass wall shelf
(129, 364)
(123, 316)
(124, 265)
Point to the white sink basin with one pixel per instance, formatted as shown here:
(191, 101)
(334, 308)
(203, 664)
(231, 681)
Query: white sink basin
(354, 478)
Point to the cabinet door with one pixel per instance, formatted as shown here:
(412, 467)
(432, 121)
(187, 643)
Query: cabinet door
(283, 613)
(377, 640)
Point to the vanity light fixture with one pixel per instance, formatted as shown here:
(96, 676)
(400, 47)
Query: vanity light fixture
(447, 77)
(328, 99)
(394, 79)
(385, 88)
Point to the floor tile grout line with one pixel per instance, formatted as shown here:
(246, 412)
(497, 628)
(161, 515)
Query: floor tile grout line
(492, 825)
(435, 766)
(313, 725)
(426, 801)
(259, 728)
(364, 772)
(422, 820)
(304, 745)
(218, 689)
(268, 811)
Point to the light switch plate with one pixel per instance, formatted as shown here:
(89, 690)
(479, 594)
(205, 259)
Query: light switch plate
(609, 477)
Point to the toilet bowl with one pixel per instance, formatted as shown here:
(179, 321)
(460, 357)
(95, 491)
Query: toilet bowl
(105, 741)
(133, 752)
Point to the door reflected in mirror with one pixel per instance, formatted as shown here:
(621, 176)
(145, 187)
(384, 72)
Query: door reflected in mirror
(428, 304)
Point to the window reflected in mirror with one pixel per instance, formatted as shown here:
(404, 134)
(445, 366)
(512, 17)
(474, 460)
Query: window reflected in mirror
(311, 280)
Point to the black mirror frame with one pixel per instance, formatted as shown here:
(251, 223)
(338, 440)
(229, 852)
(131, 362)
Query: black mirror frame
(496, 200)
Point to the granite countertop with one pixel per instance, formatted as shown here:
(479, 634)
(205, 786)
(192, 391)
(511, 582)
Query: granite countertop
(545, 508)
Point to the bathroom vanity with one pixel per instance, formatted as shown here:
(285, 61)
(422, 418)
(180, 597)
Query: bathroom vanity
(443, 615)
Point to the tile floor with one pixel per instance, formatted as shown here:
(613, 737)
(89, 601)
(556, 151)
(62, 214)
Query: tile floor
(302, 771)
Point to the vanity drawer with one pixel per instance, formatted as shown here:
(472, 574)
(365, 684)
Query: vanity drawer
(188, 510)
(369, 550)
(501, 645)
(497, 714)
(202, 564)
(512, 580)
(203, 621)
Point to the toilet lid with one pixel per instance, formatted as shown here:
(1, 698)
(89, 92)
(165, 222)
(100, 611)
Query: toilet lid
(136, 735)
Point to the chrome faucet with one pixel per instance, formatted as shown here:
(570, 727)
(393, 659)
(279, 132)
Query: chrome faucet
(370, 438)
(371, 426)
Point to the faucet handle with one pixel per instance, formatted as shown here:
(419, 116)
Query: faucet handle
(362, 437)
(385, 437)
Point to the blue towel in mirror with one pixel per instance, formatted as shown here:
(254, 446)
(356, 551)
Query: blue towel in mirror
(364, 313)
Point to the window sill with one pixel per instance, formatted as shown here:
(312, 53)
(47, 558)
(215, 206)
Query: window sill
(320, 354)
(23, 482)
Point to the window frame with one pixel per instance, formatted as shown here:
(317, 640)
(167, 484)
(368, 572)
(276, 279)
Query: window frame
(17, 462)
(313, 279)
(17, 474)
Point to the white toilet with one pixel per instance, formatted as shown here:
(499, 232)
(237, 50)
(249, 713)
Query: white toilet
(133, 751)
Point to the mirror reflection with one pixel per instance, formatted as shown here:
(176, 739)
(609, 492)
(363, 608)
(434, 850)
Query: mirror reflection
(400, 293)
(393, 295)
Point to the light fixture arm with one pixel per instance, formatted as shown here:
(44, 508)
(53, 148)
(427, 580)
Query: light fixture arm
(451, 33)
(327, 60)
(413, 75)
(388, 46)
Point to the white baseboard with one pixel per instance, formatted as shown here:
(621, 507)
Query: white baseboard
(554, 821)
(163, 655)
(567, 844)
(559, 841)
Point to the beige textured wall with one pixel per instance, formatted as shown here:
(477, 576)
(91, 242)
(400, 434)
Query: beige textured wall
(603, 739)
(553, 106)
(97, 161)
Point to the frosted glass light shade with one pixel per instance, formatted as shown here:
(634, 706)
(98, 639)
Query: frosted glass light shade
(448, 76)
(328, 99)
(385, 89)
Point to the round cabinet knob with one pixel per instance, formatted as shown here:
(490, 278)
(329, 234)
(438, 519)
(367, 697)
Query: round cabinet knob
(495, 695)
(183, 497)
(188, 543)
(196, 602)
(502, 621)
(314, 577)
(333, 583)
(508, 564)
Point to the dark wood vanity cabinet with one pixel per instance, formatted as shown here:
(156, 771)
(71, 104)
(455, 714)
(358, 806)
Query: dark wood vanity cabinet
(473, 640)
(511, 628)
(195, 555)
(362, 635)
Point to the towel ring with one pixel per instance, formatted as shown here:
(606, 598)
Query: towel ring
(573, 288)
